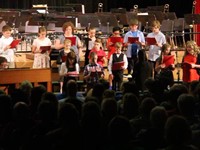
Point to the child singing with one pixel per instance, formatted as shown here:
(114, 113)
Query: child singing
(41, 59)
(117, 64)
(69, 70)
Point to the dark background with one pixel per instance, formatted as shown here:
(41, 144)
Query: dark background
(180, 7)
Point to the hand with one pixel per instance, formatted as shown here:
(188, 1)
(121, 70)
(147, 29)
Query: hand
(193, 65)
(162, 66)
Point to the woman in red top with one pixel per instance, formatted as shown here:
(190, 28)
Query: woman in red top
(189, 65)
(100, 53)
(115, 37)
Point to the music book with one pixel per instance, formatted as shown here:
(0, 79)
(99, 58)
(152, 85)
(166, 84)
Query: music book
(73, 40)
(45, 48)
(96, 74)
(133, 39)
(115, 39)
(168, 60)
(118, 65)
(72, 74)
(151, 40)
(14, 43)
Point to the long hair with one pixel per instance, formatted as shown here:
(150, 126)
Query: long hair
(195, 49)
(71, 55)
(164, 47)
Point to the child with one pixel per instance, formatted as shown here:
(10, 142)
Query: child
(64, 52)
(190, 62)
(41, 60)
(89, 43)
(133, 48)
(165, 65)
(155, 50)
(69, 70)
(100, 53)
(93, 71)
(110, 44)
(3, 63)
(116, 74)
(5, 41)
(68, 29)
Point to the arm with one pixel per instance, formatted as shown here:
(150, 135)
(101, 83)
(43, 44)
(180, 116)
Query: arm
(58, 44)
(125, 62)
(110, 64)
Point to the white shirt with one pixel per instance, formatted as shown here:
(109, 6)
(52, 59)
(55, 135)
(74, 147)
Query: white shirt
(63, 69)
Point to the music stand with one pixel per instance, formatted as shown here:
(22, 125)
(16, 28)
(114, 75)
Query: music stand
(170, 15)
(118, 10)
(89, 20)
(121, 19)
(192, 19)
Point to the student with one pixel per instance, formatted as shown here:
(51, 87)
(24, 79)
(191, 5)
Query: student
(93, 71)
(100, 53)
(69, 70)
(89, 43)
(164, 67)
(41, 60)
(110, 44)
(62, 58)
(3, 63)
(155, 50)
(5, 41)
(116, 74)
(133, 48)
(68, 29)
(64, 52)
(189, 63)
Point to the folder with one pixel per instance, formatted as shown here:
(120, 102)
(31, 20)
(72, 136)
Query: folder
(72, 74)
(73, 40)
(151, 40)
(133, 39)
(14, 43)
(45, 48)
(118, 65)
(168, 60)
(116, 39)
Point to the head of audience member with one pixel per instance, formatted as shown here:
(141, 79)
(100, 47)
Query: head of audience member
(98, 91)
(166, 48)
(177, 131)
(155, 26)
(71, 88)
(68, 116)
(130, 87)
(133, 24)
(130, 105)
(51, 97)
(3, 63)
(93, 58)
(186, 105)
(109, 94)
(97, 45)
(119, 130)
(158, 117)
(42, 32)
(6, 30)
(116, 31)
(109, 109)
(118, 47)
(192, 48)
(47, 111)
(146, 106)
(67, 44)
(68, 28)
(5, 109)
(26, 87)
(92, 32)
